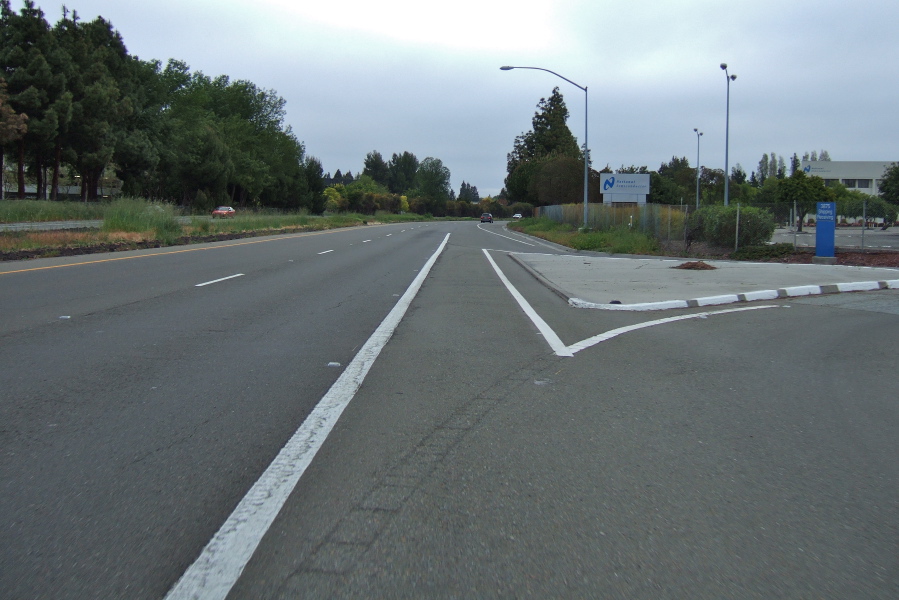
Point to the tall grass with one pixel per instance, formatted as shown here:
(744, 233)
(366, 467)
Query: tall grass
(24, 211)
(134, 215)
(617, 240)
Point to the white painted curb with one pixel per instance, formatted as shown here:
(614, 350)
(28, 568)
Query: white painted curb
(790, 292)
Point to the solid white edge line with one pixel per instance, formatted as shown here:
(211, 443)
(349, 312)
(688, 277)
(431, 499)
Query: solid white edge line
(548, 334)
(602, 337)
(222, 561)
(218, 280)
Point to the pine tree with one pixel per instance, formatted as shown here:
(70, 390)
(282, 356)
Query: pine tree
(763, 169)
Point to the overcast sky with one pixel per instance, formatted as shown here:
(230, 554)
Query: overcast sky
(395, 75)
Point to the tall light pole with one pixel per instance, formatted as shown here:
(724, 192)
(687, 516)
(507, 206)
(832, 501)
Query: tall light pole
(727, 134)
(586, 148)
(698, 135)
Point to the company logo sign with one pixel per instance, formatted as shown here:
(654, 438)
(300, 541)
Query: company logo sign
(807, 169)
(625, 183)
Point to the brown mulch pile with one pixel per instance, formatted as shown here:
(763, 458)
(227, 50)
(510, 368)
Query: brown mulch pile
(696, 265)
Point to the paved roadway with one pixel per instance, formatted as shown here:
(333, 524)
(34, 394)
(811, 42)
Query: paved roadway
(733, 454)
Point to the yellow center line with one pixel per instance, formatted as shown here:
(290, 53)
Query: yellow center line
(165, 253)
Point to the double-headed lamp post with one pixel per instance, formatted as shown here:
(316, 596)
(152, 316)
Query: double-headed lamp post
(698, 135)
(586, 148)
(727, 133)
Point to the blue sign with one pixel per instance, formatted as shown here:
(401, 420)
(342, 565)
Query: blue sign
(825, 229)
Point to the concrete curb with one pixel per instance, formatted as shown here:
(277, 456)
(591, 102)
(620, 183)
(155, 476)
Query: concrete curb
(549, 285)
(790, 292)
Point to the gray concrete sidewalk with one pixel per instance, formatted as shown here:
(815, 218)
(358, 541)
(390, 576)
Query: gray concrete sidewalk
(614, 283)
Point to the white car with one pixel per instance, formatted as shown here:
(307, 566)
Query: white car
(516, 216)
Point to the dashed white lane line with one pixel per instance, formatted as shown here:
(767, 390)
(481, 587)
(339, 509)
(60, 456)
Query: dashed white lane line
(219, 280)
(325, 252)
(365, 241)
(223, 559)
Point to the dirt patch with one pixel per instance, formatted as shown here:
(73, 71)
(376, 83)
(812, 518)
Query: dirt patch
(696, 265)
(104, 247)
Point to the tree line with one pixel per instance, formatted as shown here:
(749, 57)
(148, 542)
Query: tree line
(74, 101)
(546, 166)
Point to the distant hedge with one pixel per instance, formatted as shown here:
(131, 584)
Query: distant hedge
(717, 225)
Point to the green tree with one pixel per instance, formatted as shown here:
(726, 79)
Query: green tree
(101, 69)
(763, 169)
(549, 137)
(402, 169)
(804, 193)
(432, 182)
(12, 127)
(889, 184)
(469, 193)
(376, 167)
(31, 63)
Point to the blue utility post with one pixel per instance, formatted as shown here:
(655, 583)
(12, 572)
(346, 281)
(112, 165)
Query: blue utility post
(825, 232)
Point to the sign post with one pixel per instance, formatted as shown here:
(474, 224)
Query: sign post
(825, 233)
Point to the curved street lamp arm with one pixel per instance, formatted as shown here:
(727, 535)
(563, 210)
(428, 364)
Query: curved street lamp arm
(548, 71)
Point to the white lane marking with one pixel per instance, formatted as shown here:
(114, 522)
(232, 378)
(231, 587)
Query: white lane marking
(388, 235)
(549, 335)
(505, 236)
(602, 337)
(365, 241)
(325, 252)
(218, 280)
(223, 559)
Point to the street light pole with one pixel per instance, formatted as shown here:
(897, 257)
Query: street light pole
(698, 135)
(727, 133)
(586, 147)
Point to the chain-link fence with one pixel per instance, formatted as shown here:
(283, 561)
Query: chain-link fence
(661, 221)
(857, 227)
(667, 224)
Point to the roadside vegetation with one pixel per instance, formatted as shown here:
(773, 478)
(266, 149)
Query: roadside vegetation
(618, 240)
(136, 223)
(27, 211)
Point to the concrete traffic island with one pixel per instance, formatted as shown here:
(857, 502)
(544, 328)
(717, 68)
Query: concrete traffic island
(638, 284)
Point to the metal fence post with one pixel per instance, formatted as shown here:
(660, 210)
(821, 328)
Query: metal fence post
(864, 221)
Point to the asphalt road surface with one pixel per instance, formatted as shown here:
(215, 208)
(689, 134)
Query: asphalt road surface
(744, 454)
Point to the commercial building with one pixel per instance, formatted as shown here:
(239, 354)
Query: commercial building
(862, 176)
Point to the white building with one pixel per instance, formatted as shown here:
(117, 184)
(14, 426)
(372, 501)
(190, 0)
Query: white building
(862, 176)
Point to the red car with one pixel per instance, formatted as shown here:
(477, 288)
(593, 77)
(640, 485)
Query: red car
(223, 212)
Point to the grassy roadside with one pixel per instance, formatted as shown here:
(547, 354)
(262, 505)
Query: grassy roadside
(131, 223)
(621, 240)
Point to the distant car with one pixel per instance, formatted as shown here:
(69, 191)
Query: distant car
(516, 216)
(486, 218)
(223, 212)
